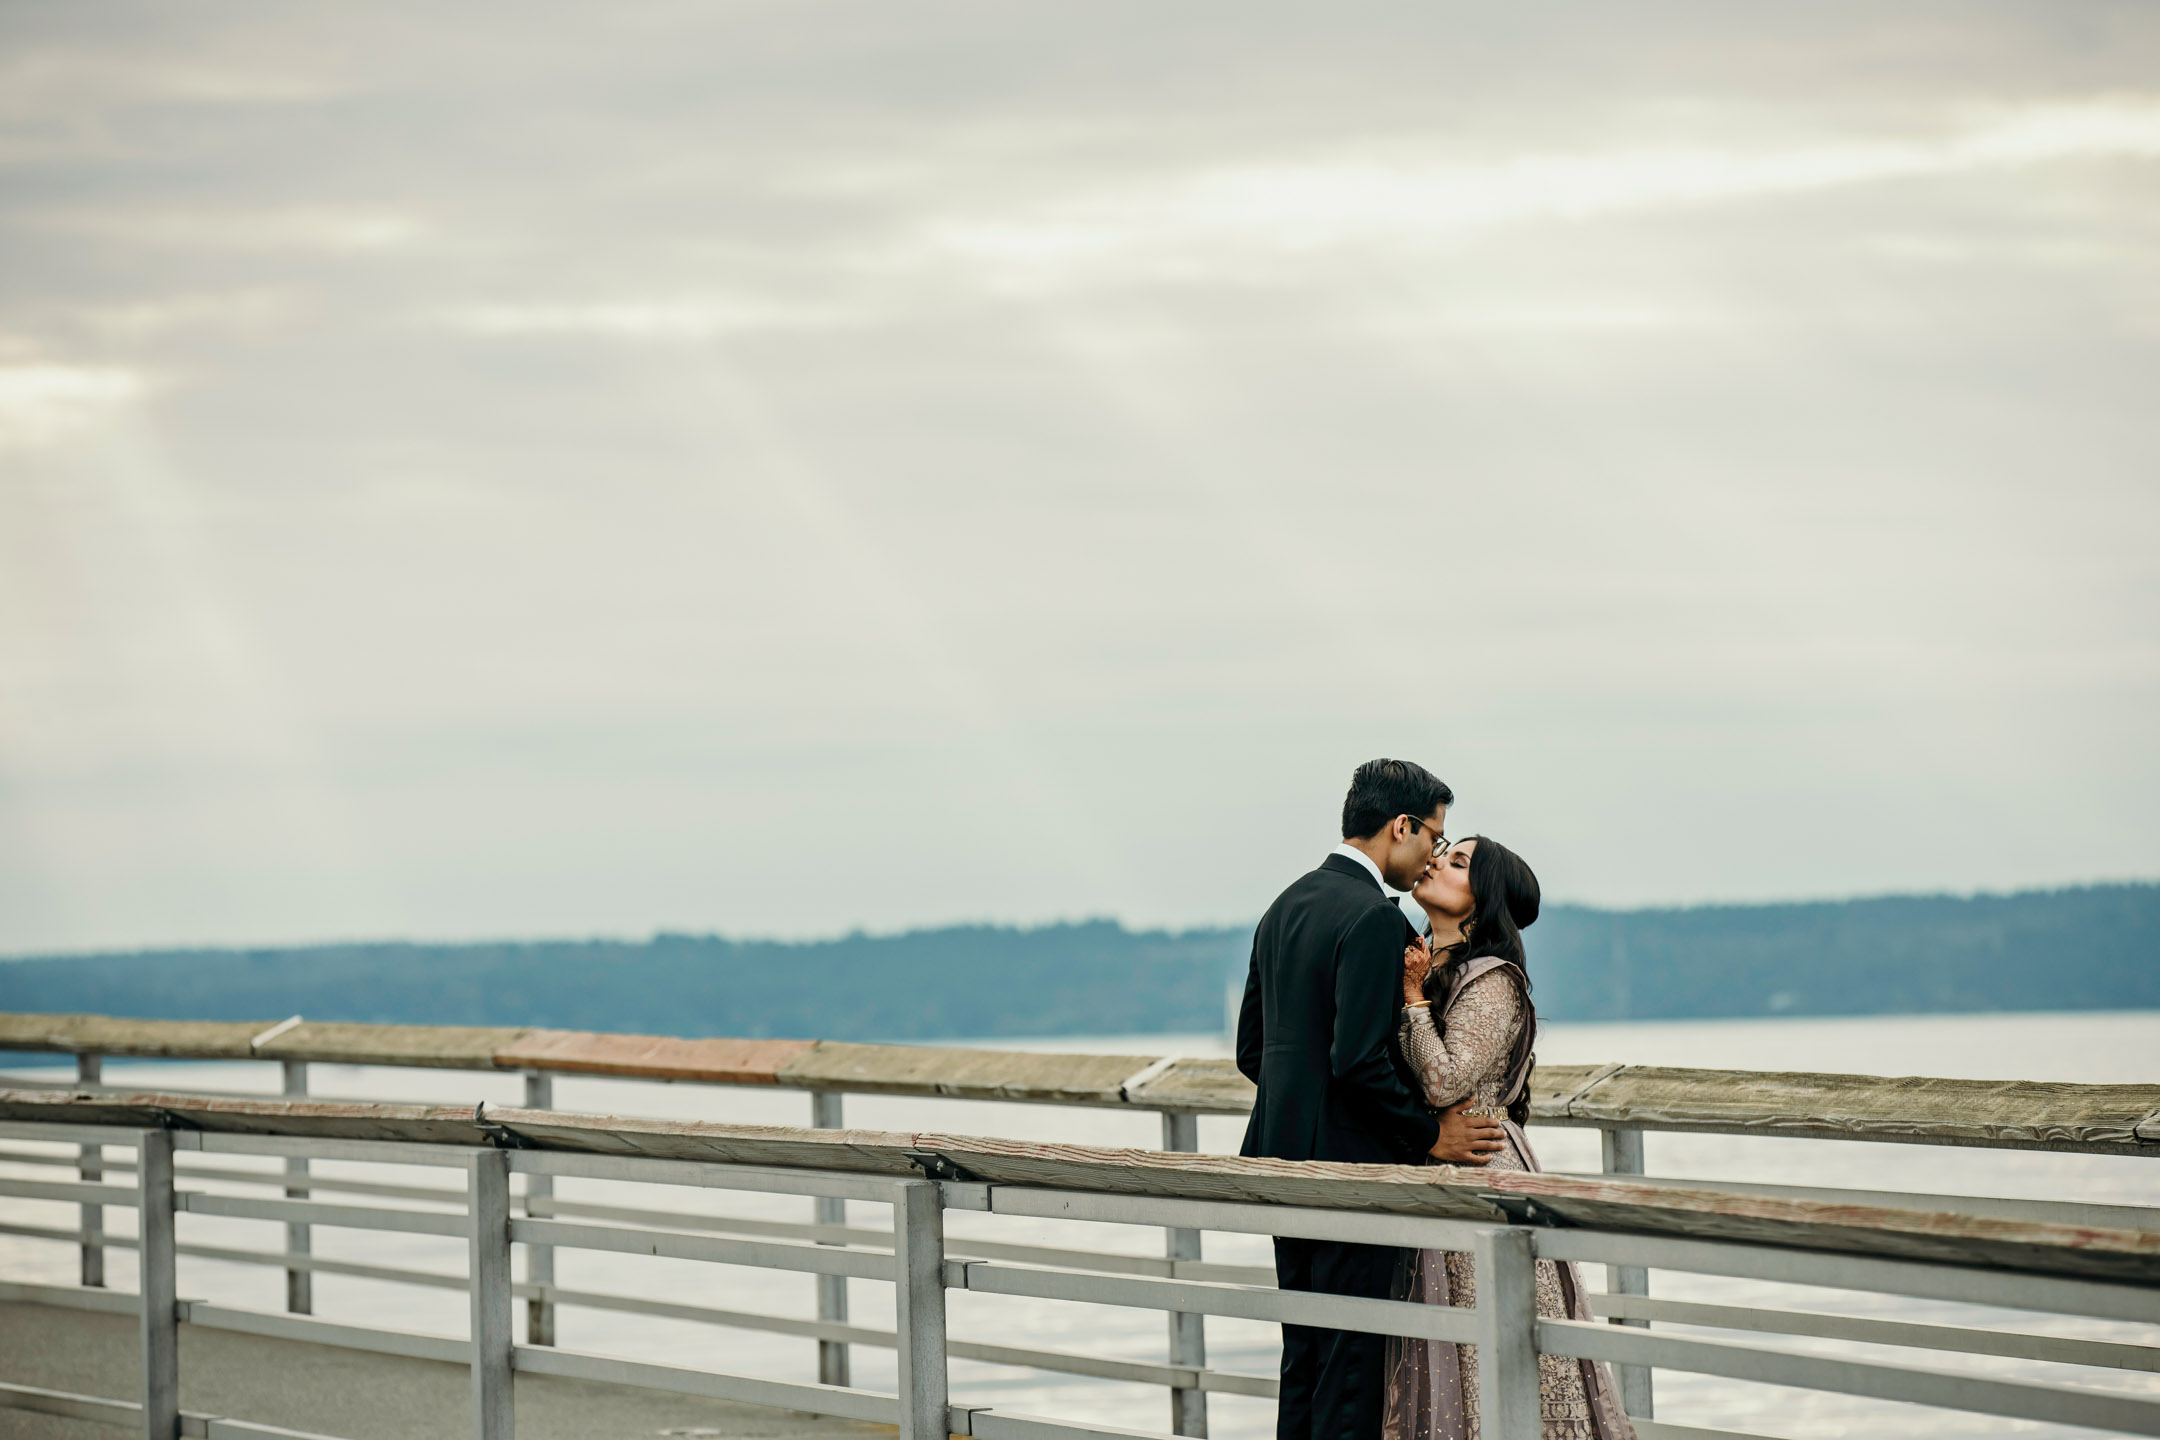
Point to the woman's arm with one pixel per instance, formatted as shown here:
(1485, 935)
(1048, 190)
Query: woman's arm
(1480, 1032)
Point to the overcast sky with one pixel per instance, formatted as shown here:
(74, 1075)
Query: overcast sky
(776, 468)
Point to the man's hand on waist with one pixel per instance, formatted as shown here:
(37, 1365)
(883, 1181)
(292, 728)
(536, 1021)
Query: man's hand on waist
(1467, 1139)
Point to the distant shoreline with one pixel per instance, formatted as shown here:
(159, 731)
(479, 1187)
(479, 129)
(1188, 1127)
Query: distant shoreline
(2085, 949)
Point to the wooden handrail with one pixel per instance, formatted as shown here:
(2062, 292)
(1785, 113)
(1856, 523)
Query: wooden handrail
(1998, 1114)
(1491, 1197)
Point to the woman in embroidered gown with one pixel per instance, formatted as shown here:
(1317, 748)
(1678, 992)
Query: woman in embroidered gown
(1467, 1030)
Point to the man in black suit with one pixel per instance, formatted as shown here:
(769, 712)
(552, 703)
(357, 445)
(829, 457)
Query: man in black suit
(1316, 1034)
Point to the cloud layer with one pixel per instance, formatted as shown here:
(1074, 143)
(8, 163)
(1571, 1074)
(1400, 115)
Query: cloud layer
(777, 469)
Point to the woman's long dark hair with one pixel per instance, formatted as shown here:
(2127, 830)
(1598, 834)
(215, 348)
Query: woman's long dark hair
(1504, 902)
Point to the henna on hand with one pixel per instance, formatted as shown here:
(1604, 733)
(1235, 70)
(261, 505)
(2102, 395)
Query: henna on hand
(1468, 1139)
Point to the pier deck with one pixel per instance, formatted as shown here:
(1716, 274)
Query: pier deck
(350, 1393)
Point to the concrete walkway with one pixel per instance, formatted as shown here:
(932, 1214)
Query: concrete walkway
(349, 1393)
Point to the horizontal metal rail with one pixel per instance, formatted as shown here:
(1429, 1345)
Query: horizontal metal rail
(675, 1245)
(2058, 1212)
(1956, 1339)
(707, 1174)
(1832, 1271)
(1139, 1372)
(66, 1134)
(430, 1194)
(1989, 1271)
(1002, 1425)
(1067, 1258)
(98, 1411)
(68, 1297)
(326, 1265)
(2049, 1212)
(1294, 1307)
(1055, 1361)
(1235, 1217)
(68, 1191)
(274, 1178)
(1878, 1381)
(317, 1147)
(409, 1344)
(1950, 1339)
(1070, 1258)
(1944, 1390)
(317, 1212)
(834, 1400)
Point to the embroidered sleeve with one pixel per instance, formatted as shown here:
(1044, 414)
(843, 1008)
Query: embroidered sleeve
(1480, 1032)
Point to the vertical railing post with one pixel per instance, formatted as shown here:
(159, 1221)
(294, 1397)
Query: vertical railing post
(919, 1307)
(1508, 1407)
(832, 1355)
(1624, 1156)
(487, 1204)
(299, 1281)
(90, 1166)
(158, 1285)
(1188, 1333)
(539, 1259)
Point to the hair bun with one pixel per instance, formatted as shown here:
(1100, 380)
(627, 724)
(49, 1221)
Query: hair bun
(1523, 909)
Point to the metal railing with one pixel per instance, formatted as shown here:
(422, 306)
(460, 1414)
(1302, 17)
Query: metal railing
(1980, 1260)
(1622, 1103)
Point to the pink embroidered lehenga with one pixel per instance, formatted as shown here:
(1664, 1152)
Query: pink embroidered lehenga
(1481, 1049)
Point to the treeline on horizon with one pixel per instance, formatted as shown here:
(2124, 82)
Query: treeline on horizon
(2090, 948)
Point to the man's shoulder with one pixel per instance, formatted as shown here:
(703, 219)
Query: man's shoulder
(1329, 890)
(1324, 883)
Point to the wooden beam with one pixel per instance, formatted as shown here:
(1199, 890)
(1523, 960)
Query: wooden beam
(715, 1061)
(963, 1074)
(1602, 1203)
(2090, 1119)
(110, 1035)
(450, 1047)
(2013, 1114)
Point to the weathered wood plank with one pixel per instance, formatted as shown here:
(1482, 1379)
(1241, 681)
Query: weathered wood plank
(717, 1060)
(2008, 1114)
(1443, 1191)
(1204, 1087)
(964, 1074)
(115, 1035)
(876, 1152)
(2131, 1256)
(2094, 1119)
(1458, 1193)
(2122, 1255)
(1553, 1086)
(324, 1119)
(450, 1047)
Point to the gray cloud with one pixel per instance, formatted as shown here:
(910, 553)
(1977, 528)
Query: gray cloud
(783, 468)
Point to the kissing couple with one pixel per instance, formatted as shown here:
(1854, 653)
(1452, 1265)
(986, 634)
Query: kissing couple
(1376, 1044)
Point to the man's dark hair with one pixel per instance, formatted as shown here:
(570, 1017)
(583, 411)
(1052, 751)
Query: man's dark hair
(1383, 789)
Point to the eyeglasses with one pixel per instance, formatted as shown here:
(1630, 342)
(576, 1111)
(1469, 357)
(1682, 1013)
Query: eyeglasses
(1439, 840)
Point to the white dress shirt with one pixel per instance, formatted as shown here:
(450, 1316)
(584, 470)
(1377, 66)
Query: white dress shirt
(1365, 860)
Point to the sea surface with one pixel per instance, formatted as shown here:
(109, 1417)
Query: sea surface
(2080, 1047)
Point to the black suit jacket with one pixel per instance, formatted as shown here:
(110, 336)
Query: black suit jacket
(1317, 1030)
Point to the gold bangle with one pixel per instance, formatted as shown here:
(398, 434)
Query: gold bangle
(1416, 1004)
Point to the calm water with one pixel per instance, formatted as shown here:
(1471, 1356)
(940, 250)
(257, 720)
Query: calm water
(2045, 1047)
